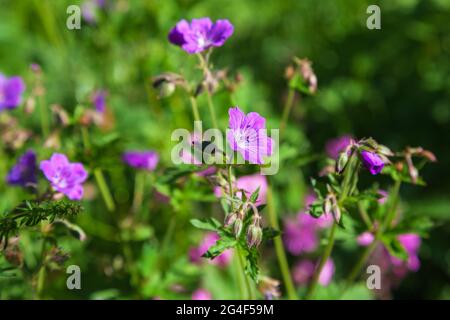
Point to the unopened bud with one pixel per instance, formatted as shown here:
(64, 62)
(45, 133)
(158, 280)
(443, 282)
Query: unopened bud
(341, 162)
(383, 150)
(237, 227)
(336, 211)
(230, 219)
(327, 205)
(254, 236)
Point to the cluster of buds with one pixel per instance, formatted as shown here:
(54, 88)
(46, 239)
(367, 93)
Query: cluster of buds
(331, 205)
(236, 221)
(166, 83)
(302, 68)
(373, 155)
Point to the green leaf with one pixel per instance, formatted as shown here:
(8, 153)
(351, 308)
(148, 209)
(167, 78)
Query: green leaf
(209, 224)
(220, 246)
(254, 195)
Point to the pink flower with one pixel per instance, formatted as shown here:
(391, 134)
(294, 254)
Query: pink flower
(335, 146)
(384, 196)
(249, 184)
(365, 239)
(300, 235)
(195, 254)
(248, 135)
(201, 294)
(304, 270)
(411, 242)
(326, 275)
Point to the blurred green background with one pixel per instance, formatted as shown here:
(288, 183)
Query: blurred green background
(392, 84)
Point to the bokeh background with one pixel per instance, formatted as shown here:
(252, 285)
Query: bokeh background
(392, 84)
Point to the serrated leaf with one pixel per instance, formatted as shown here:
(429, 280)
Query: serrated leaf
(209, 224)
(220, 246)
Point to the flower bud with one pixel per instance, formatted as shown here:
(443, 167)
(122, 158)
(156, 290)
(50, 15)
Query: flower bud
(341, 162)
(254, 236)
(327, 205)
(383, 150)
(237, 227)
(230, 219)
(336, 211)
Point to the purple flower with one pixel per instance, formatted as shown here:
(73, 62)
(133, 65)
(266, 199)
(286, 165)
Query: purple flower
(250, 184)
(335, 146)
(365, 239)
(11, 90)
(300, 235)
(201, 34)
(248, 135)
(99, 100)
(304, 270)
(201, 294)
(65, 177)
(195, 254)
(24, 172)
(372, 162)
(146, 160)
(326, 275)
(411, 242)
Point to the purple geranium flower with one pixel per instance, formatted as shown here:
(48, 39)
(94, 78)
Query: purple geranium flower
(65, 177)
(372, 162)
(248, 135)
(24, 172)
(99, 100)
(11, 90)
(195, 254)
(201, 34)
(335, 146)
(146, 160)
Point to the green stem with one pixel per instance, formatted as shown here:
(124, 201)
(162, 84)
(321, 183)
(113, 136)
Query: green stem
(356, 270)
(247, 280)
(44, 118)
(139, 188)
(279, 248)
(194, 108)
(287, 109)
(211, 109)
(230, 186)
(42, 272)
(241, 277)
(104, 190)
